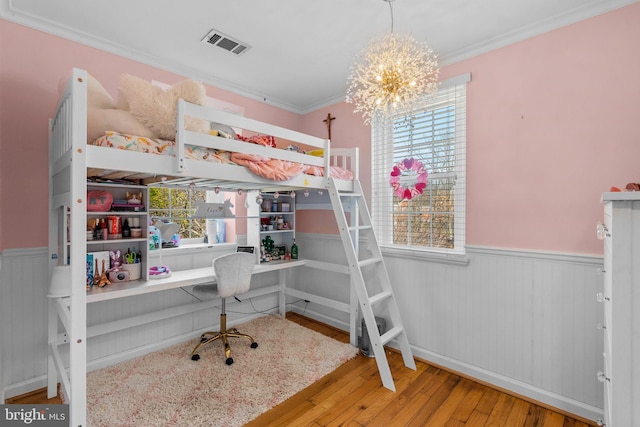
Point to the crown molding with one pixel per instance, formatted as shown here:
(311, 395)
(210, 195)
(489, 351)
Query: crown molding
(588, 10)
(10, 13)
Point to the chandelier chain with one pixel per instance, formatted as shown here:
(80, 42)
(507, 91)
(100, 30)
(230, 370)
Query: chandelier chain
(391, 12)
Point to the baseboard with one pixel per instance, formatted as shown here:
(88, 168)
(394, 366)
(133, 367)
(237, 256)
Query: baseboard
(320, 317)
(522, 390)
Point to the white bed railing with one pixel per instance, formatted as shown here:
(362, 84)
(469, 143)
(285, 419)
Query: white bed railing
(185, 137)
(70, 158)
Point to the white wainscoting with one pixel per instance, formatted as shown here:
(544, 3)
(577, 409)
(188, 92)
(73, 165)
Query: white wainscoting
(23, 315)
(23, 306)
(523, 321)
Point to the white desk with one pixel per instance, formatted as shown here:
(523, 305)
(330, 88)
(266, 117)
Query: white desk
(178, 279)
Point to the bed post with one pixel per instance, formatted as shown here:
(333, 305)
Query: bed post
(355, 163)
(180, 136)
(68, 191)
(78, 251)
(327, 162)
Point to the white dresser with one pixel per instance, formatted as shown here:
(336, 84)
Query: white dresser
(621, 299)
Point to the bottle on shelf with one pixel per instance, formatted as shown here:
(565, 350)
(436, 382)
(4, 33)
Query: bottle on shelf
(97, 233)
(126, 230)
(103, 229)
(294, 250)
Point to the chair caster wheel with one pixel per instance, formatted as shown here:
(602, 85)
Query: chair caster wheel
(229, 361)
(254, 345)
(195, 357)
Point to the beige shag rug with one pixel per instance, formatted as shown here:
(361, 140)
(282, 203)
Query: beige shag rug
(167, 388)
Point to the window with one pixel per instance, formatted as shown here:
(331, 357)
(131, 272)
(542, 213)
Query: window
(178, 205)
(434, 134)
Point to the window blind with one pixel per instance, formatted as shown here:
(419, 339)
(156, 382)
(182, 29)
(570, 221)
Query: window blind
(434, 134)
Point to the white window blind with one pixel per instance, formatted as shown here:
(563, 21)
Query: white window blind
(434, 134)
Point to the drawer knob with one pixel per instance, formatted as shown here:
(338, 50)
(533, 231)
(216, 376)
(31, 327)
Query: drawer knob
(602, 231)
(602, 377)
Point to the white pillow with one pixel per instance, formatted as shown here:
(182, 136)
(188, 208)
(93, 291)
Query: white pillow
(102, 115)
(156, 108)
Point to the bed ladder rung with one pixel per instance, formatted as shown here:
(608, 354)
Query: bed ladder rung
(350, 194)
(391, 334)
(360, 227)
(360, 219)
(373, 300)
(369, 261)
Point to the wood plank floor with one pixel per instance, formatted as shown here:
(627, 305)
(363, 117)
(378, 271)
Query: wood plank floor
(353, 395)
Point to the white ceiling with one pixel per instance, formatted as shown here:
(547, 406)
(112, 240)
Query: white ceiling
(301, 51)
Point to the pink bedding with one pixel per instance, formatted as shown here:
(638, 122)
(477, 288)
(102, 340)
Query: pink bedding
(274, 169)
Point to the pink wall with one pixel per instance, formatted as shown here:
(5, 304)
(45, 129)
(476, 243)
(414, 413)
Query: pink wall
(33, 64)
(552, 123)
(347, 131)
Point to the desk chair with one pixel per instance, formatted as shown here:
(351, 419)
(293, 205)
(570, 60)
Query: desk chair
(233, 276)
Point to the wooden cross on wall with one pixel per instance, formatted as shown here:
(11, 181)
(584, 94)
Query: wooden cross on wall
(328, 122)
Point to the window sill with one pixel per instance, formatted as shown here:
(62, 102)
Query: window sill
(424, 255)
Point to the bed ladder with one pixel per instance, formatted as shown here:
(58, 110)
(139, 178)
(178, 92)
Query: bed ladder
(369, 263)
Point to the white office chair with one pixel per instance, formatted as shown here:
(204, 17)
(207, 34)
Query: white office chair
(233, 277)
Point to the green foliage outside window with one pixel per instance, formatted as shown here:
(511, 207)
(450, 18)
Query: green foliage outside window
(427, 220)
(178, 205)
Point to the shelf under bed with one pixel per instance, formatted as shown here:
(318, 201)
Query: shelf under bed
(149, 168)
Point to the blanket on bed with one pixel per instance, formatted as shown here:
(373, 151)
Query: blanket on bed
(274, 169)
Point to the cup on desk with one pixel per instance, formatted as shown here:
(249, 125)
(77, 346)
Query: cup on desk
(133, 269)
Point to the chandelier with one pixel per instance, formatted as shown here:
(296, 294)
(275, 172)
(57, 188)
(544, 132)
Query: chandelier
(390, 75)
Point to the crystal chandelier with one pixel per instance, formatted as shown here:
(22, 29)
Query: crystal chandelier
(390, 75)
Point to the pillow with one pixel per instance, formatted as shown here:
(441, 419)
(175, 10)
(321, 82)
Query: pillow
(99, 201)
(102, 115)
(156, 108)
(97, 96)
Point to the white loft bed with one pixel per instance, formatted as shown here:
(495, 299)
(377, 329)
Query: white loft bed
(72, 161)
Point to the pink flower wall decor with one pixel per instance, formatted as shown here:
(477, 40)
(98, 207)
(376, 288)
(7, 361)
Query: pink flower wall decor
(408, 179)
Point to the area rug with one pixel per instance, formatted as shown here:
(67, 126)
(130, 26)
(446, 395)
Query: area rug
(167, 388)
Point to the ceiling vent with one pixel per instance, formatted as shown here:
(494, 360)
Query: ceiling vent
(221, 40)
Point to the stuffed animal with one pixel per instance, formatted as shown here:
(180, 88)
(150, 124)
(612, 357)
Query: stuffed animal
(134, 198)
(156, 107)
(103, 116)
(116, 260)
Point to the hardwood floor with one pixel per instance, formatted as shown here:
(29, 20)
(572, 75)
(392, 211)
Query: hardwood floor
(352, 395)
